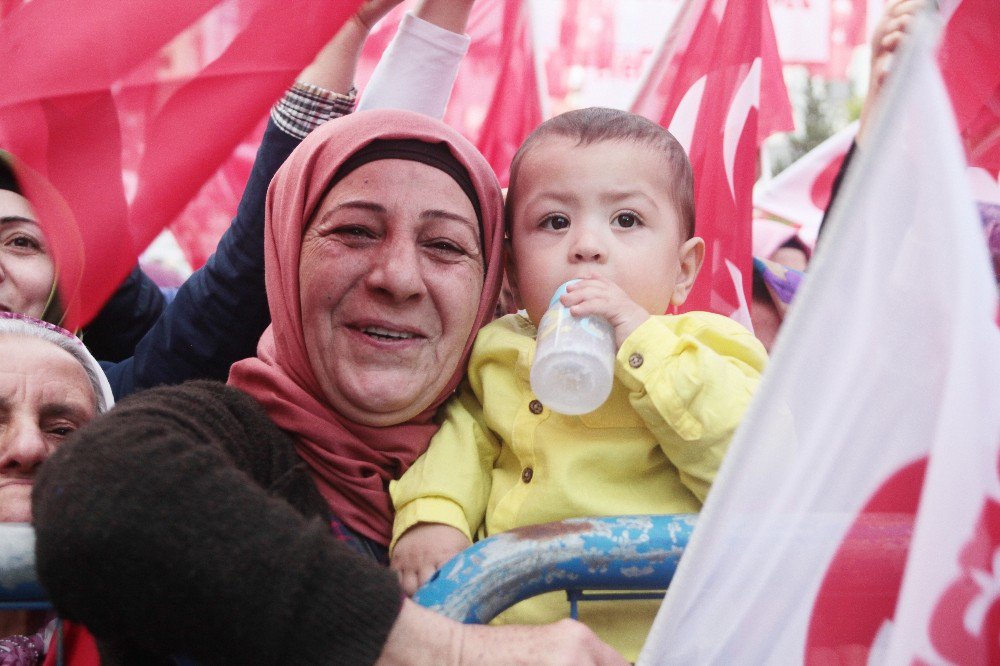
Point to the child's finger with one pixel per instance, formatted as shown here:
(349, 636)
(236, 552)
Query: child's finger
(410, 582)
(586, 290)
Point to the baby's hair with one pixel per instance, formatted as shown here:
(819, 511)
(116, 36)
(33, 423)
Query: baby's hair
(596, 124)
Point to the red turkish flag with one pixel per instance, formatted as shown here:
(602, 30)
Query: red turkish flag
(969, 64)
(717, 84)
(516, 106)
(63, 114)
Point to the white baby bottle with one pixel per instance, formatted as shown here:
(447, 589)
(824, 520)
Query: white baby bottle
(574, 362)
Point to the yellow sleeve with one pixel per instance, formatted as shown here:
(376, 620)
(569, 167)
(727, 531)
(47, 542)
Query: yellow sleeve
(690, 378)
(450, 482)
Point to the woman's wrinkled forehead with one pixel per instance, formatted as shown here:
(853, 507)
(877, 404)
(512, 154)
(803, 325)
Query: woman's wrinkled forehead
(433, 154)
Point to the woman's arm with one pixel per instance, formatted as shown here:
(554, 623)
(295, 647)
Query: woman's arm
(179, 524)
(220, 312)
(422, 637)
(418, 69)
(127, 316)
(890, 32)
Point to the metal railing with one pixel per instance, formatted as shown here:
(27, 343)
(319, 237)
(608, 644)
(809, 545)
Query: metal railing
(19, 588)
(623, 557)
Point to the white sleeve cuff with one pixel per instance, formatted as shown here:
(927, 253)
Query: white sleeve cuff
(417, 70)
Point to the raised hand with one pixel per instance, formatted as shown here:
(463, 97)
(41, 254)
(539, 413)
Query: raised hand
(896, 22)
(371, 12)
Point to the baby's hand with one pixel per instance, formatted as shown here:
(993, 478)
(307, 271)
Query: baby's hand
(600, 296)
(422, 550)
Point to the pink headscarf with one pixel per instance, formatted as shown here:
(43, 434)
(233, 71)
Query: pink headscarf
(352, 464)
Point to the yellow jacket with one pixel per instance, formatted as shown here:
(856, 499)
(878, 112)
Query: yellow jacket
(502, 460)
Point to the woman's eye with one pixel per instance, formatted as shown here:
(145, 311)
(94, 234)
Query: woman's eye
(625, 220)
(555, 222)
(446, 246)
(353, 231)
(24, 243)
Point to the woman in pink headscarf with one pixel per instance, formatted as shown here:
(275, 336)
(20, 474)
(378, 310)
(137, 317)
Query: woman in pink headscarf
(383, 247)
(382, 260)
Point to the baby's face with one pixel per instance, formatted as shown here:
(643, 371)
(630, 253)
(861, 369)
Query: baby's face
(601, 209)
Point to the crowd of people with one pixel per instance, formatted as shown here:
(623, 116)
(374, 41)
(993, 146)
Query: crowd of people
(266, 467)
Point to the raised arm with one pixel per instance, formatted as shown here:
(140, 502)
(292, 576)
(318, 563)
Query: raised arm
(418, 69)
(337, 62)
(221, 311)
(889, 34)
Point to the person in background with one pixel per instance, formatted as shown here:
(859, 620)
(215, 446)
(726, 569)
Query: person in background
(781, 258)
(50, 386)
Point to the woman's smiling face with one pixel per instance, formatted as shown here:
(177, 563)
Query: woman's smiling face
(27, 271)
(390, 278)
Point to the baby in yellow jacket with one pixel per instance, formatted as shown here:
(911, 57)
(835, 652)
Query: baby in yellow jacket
(606, 197)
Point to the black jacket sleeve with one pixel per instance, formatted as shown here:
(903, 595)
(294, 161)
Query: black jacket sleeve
(220, 312)
(127, 316)
(178, 524)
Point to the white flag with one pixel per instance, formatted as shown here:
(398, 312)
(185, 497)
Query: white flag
(889, 352)
(801, 193)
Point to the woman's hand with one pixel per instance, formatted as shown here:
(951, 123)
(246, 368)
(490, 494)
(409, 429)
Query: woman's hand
(895, 24)
(337, 62)
(422, 550)
(421, 636)
(372, 11)
(564, 643)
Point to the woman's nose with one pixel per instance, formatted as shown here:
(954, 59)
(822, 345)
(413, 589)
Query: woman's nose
(395, 270)
(22, 449)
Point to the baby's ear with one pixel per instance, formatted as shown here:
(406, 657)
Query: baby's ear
(690, 257)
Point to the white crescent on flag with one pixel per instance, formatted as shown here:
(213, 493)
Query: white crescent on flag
(686, 116)
(747, 97)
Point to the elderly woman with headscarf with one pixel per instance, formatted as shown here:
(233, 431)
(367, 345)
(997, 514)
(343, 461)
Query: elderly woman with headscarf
(50, 386)
(196, 520)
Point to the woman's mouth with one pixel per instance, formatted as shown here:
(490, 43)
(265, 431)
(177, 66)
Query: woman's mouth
(380, 333)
